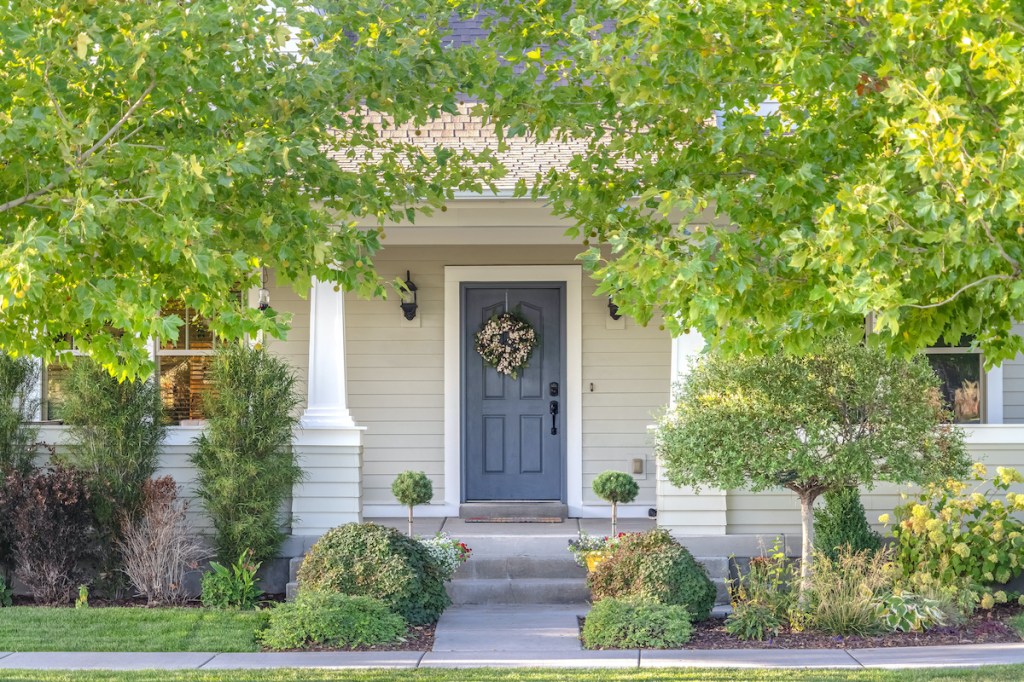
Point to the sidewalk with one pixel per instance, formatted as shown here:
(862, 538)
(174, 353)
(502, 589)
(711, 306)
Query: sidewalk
(966, 656)
(527, 637)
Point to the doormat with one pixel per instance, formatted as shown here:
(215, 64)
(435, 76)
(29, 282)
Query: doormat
(514, 519)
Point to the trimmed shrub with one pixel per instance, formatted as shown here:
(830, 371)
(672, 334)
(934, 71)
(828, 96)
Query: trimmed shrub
(158, 546)
(54, 531)
(18, 405)
(842, 523)
(371, 560)
(654, 566)
(245, 465)
(116, 432)
(331, 619)
(636, 624)
(412, 488)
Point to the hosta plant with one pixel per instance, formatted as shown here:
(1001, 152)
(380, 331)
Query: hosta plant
(951, 536)
(909, 612)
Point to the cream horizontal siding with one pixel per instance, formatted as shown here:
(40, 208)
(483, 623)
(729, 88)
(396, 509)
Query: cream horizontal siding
(396, 372)
(1013, 386)
(294, 349)
(778, 512)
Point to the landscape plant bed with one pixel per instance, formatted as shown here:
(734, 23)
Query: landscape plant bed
(418, 638)
(985, 627)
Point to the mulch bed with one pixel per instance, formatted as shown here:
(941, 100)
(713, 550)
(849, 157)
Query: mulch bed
(985, 627)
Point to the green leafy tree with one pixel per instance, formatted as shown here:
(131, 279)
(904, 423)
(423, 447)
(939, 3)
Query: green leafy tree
(846, 416)
(412, 488)
(163, 151)
(615, 487)
(770, 173)
(244, 461)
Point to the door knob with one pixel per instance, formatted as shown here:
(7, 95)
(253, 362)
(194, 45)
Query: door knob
(553, 408)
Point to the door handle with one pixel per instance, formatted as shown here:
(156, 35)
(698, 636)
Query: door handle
(553, 408)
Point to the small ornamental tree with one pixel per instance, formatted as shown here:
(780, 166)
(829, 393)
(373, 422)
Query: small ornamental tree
(615, 487)
(18, 405)
(412, 488)
(846, 415)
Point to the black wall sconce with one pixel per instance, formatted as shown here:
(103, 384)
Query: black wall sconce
(264, 296)
(613, 310)
(409, 304)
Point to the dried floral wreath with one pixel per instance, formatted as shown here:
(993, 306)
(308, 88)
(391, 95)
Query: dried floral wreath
(506, 342)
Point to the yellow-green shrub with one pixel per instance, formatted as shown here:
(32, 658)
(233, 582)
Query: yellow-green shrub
(952, 538)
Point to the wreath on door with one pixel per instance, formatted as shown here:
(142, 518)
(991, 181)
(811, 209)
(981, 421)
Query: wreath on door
(506, 342)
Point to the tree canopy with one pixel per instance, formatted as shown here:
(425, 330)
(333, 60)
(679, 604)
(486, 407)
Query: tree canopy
(771, 173)
(845, 416)
(153, 152)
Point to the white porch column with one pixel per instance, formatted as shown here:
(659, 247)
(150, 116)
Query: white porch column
(328, 442)
(681, 510)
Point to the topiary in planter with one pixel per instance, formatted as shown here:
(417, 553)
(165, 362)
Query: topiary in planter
(615, 487)
(374, 561)
(412, 488)
(653, 565)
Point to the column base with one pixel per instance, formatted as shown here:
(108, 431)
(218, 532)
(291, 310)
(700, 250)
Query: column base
(331, 493)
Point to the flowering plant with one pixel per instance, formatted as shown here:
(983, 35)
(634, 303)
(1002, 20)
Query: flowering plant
(447, 553)
(586, 543)
(967, 540)
(506, 342)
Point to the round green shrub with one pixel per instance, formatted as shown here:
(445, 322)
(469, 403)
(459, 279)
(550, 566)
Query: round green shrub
(842, 523)
(636, 624)
(412, 488)
(332, 619)
(371, 560)
(616, 486)
(654, 566)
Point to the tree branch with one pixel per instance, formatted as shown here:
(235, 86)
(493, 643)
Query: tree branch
(84, 156)
(958, 292)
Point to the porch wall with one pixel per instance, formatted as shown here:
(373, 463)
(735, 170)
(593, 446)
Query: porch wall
(396, 373)
(778, 512)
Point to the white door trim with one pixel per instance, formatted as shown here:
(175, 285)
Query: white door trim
(572, 276)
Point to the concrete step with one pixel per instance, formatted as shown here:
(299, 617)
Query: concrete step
(520, 568)
(293, 568)
(543, 509)
(524, 591)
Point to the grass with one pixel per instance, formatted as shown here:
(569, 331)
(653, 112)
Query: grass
(31, 628)
(1017, 623)
(992, 674)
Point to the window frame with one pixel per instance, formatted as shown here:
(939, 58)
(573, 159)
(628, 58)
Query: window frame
(983, 379)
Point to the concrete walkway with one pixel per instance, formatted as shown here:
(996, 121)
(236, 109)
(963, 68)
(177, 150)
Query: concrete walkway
(527, 637)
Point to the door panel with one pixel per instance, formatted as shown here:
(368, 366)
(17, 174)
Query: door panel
(509, 450)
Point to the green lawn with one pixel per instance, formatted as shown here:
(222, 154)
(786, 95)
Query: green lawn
(994, 674)
(31, 628)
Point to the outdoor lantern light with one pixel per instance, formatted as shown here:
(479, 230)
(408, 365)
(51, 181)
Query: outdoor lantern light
(409, 304)
(264, 300)
(613, 310)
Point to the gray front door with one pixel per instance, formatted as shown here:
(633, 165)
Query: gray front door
(512, 445)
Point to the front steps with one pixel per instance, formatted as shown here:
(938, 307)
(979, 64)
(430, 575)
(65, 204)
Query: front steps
(521, 563)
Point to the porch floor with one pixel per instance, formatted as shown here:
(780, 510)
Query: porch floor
(459, 528)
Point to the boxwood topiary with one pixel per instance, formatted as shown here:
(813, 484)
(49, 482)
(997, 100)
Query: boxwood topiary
(374, 561)
(615, 487)
(636, 624)
(653, 565)
(842, 523)
(412, 488)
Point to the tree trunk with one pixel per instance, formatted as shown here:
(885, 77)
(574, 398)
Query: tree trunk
(615, 518)
(410, 520)
(807, 547)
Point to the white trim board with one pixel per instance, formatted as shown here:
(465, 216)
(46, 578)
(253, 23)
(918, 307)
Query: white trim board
(572, 276)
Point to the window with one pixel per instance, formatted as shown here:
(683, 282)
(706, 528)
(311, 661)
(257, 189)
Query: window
(53, 380)
(962, 380)
(184, 365)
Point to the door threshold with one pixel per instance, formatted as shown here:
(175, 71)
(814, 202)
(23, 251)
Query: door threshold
(513, 509)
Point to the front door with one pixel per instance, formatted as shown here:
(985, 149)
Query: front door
(513, 435)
